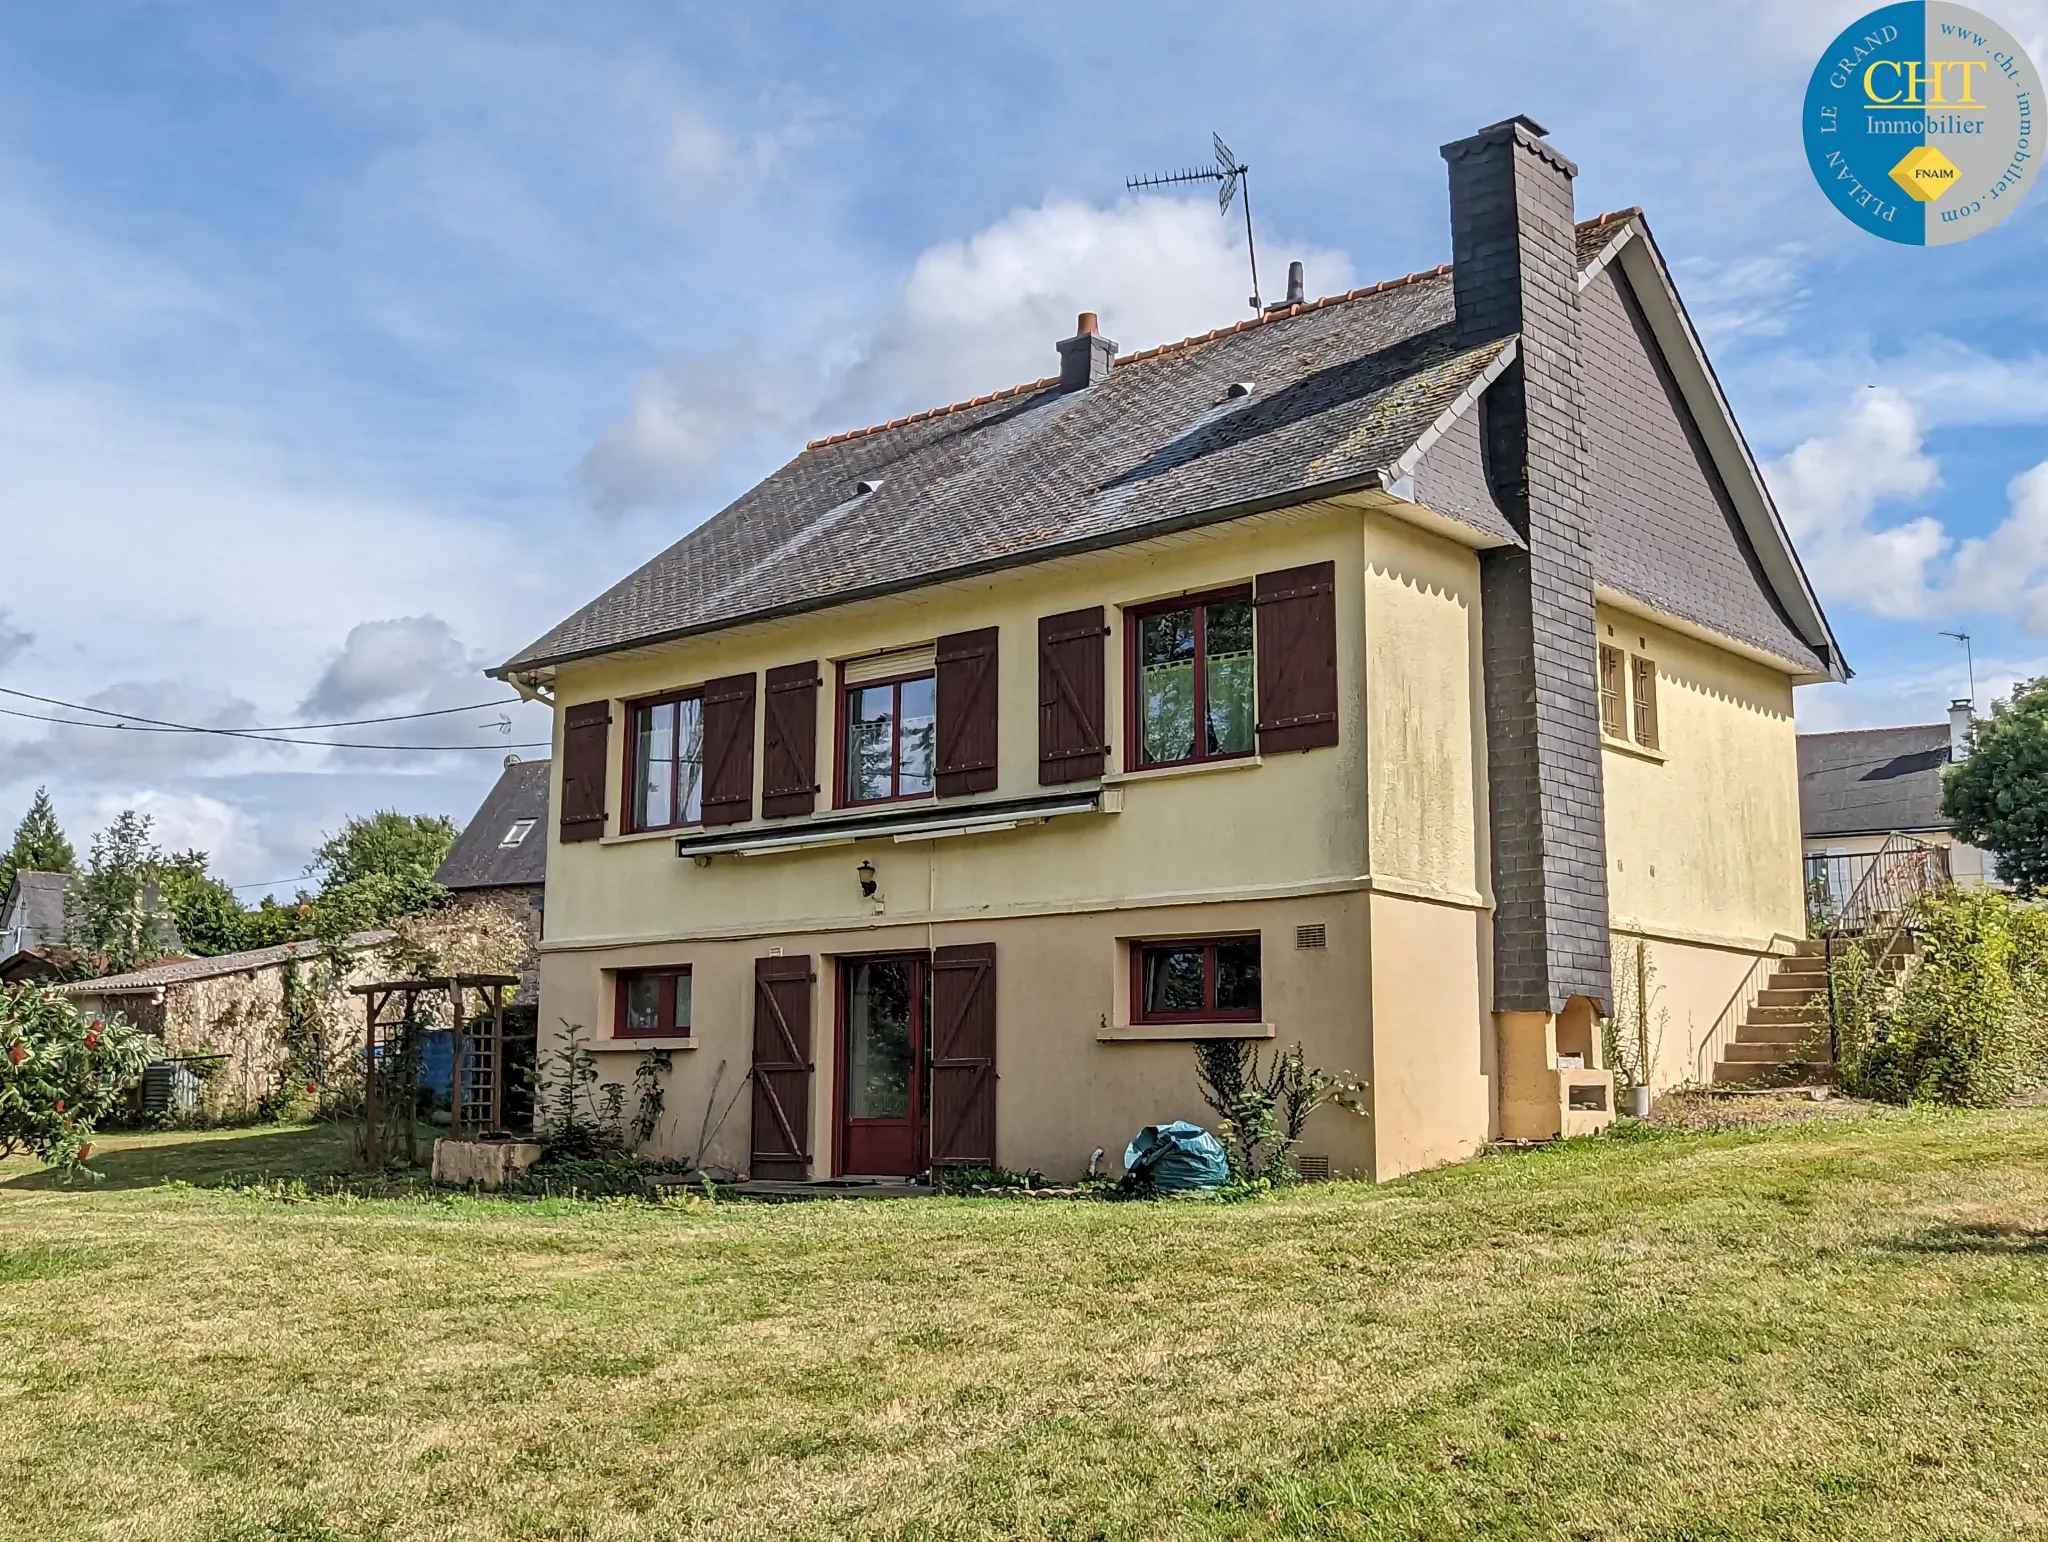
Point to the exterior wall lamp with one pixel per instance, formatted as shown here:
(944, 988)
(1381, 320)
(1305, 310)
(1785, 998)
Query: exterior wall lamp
(866, 870)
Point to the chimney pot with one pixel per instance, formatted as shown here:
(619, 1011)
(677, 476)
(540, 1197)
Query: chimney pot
(1297, 284)
(1085, 324)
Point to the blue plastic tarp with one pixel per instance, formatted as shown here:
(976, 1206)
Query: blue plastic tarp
(1178, 1158)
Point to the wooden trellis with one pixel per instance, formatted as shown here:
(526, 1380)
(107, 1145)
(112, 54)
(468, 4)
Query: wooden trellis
(477, 1094)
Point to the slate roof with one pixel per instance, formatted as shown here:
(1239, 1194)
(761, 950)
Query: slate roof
(185, 970)
(480, 859)
(32, 911)
(1872, 781)
(1342, 387)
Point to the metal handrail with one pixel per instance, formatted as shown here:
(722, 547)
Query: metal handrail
(1876, 913)
(1708, 1054)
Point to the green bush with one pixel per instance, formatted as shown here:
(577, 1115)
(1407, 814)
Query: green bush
(61, 1074)
(1967, 1024)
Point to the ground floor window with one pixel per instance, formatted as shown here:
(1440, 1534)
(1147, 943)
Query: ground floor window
(654, 1002)
(1199, 980)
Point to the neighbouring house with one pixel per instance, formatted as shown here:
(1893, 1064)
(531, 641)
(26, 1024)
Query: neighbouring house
(1377, 672)
(500, 860)
(32, 926)
(230, 1014)
(1860, 787)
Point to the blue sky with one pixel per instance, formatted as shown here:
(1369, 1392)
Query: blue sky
(343, 350)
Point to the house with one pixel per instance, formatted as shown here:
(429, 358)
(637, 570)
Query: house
(1860, 787)
(32, 925)
(500, 858)
(231, 1014)
(1372, 673)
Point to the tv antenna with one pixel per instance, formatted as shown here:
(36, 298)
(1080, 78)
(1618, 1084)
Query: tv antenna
(1227, 173)
(1970, 659)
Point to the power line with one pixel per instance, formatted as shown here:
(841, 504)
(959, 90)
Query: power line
(190, 728)
(329, 744)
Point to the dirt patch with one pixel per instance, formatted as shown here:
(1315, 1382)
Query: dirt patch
(1698, 1110)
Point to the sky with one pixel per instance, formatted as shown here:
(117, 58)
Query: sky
(346, 349)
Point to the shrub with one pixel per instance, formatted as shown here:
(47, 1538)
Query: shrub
(1968, 1023)
(60, 1074)
(1260, 1111)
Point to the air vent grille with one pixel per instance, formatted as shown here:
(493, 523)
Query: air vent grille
(1313, 1169)
(1311, 936)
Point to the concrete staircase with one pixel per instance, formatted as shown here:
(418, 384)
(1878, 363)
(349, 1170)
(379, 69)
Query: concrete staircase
(1785, 1031)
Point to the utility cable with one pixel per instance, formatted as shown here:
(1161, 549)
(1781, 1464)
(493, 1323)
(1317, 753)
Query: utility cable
(232, 733)
(170, 727)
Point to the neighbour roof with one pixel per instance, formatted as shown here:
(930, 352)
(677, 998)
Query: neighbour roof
(1872, 781)
(481, 857)
(32, 911)
(1341, 388)
(185, 970)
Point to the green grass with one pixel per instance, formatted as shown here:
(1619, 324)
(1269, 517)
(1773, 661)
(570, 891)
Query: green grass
(1834, 1331)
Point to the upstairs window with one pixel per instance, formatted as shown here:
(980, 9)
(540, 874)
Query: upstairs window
(654, 1003)
(1207, 980)
(1613, 708)
(891, 738)
(1643, 687)
(666, 754)
(1192, 680)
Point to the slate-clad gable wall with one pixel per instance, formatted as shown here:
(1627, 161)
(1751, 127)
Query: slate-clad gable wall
(1515, 270)
(1664, 528)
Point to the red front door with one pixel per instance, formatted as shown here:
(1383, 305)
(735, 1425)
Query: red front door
(884, 1055)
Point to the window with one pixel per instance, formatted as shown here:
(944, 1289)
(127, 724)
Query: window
(666, 755)
(518, 833)
(1191, 681)
(1613, 712)
(1214, 980)
(891, 739)
(654, 1003)
(1643, 686)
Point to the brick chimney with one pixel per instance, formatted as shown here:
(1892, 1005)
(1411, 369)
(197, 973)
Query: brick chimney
(1962, 728)
(1086, 356)
(1515, 273)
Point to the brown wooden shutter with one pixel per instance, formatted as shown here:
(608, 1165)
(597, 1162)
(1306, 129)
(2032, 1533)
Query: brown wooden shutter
(966, 689)
(1071, 743)
(1297, 646)
(586, 739)
(964, 1055)
(789, 743)
(729, 750)
(782, 1068)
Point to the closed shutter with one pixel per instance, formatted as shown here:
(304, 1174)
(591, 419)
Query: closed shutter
(1297, 657)
(789, 742)
(966, 689)
(586, 737)
(729, 750)
(1071, 744)
(964, 1055)
(782, 1068)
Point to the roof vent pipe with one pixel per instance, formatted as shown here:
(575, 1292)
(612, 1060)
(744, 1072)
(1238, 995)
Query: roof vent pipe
(1087, 356)
(1297, 285)
(1962, 716)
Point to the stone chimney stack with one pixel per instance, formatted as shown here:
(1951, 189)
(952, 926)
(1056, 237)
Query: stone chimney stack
(1087, 356)
(1515, 255)
(1962, 729)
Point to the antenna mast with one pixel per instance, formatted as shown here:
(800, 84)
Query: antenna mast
(1228, 172)
(1969, 658)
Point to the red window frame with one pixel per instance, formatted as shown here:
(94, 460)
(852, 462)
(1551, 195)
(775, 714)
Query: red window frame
(843, 724)
(629, 808)
(1134, 616)
(1209, 1012)
(665, 1010)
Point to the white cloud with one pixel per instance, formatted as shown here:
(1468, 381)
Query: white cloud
(89, 748)
(973, 315)
(1828, 489)
(386, 662)
(1753, 296)
(14, 640)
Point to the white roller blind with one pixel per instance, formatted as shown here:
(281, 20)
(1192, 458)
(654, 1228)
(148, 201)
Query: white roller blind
(884, 666)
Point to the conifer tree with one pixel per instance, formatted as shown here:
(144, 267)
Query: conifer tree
(39, 844)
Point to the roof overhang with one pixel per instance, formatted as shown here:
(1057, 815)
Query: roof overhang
(1801, 675)
(1636, 252)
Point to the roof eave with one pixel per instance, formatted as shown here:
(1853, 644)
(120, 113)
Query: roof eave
(1636, 251)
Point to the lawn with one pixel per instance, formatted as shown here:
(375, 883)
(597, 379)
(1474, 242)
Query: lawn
(1836, 1330)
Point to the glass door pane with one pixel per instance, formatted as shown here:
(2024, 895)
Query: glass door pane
(880, 1061)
